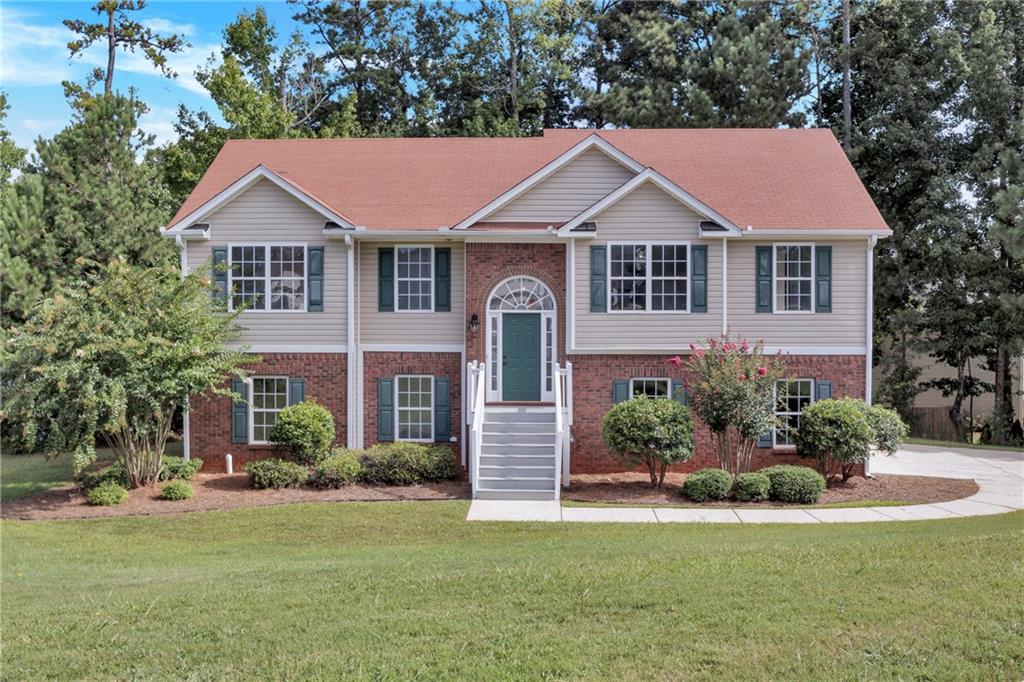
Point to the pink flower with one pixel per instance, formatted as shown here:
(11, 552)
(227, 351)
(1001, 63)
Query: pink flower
(698, 354)
(693, 347)
(744, 346)
(675, 360)
(727, 347)
(713, 343)
(761, 371)
(743, 377)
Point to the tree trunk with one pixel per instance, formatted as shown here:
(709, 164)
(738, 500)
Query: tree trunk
(513, 60)
(958, 400)
(847, 114)
(108, 83)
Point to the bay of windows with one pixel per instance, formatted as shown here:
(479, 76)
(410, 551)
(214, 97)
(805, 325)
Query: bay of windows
(264, 277)
(648, 277)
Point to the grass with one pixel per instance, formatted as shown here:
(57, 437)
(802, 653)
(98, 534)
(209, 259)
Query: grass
(24, 475)
(411, 590)
(955, 444)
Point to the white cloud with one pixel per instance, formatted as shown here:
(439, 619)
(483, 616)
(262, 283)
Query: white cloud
(44, 127)
(159, 122)
(166, 26)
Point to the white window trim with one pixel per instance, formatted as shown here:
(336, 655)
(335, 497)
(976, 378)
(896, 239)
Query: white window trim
(775, 279)
(399, 409)
(775, 401)
(649, 277)
(433, 278)
(667, 380)
(252, 404)
(266, 276)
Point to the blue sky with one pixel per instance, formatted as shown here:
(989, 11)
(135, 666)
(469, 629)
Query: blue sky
(34, 60)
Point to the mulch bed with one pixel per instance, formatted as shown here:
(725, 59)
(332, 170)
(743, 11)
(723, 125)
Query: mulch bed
(217, 492)
(635, 489)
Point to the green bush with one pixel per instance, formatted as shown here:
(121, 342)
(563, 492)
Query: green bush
(753, 487)
(343, 467)
(107, 494)
(835, 431)
(179, 467)
(707, 484)
(176, 490)
(276, 473)
(656, 432)
(114, 473)
(889, 428)
(305, 431)
(403, 463)
(795, 484)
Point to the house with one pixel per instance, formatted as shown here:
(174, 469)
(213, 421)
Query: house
(500, 294)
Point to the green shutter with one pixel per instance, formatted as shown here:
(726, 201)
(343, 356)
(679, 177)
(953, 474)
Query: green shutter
(385, 409)
(598, 279)
(620, 390)
(442, 409)
(240, 413)
(677, 391)
(823, 279)
(822, 389)
(315, 279)
(442, 280)
(699, 279)
(764, 279)
(296, 391)
(220, 274)
(386, 279)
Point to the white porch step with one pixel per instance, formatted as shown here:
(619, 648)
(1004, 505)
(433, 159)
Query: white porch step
(540, 460)
(515, 495)
(546, 428)
(519, 416)
(517, 483)
(545, 439)
(515, 471)
(517, 454)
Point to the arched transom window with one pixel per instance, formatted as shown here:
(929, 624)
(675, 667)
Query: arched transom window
(523, 294)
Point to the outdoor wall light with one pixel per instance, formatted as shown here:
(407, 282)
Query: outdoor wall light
(474, 323)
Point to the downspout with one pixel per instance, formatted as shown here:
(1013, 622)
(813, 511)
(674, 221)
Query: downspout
(351, 427)
(186, 449)
(725, 286)
(869, 332)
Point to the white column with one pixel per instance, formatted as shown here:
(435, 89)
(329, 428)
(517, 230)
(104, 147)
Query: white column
(350, 337)
(869, 332)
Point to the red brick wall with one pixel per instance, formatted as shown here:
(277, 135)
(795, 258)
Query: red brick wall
(210, 416)
(379, 364)
(592, 398)
(487, 264)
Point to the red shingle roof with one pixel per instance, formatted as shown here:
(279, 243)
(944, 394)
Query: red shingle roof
(768, 179)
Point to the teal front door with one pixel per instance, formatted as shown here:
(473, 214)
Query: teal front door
(520, 362)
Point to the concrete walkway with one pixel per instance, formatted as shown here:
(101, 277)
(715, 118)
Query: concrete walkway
(999, 475)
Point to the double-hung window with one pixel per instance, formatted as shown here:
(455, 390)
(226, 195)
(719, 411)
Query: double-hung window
(268, 278)
(649, 388)
(794, 278)
(269, 397)
(415, 290)
(648, 277)
(791, 397)
(415, 400)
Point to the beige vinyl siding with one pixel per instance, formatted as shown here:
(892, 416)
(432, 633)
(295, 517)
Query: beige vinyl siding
(566, 192)
(407, 327)
(646, 214)
(265, 213)
(844, 326)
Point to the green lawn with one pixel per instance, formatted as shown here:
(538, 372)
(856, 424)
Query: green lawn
(411, 590)
(23, 475)
(955, 444)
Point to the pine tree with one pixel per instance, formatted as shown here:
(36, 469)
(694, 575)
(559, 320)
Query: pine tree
(84, 201)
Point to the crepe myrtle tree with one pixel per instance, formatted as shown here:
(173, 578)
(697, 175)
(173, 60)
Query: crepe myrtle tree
(733, 394)
(114, 356)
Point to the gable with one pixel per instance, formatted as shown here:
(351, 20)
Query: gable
(648, 212)
(569, 190)
(265, 212)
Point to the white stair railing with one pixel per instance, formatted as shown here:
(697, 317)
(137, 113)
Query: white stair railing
(477, 386)
(563, 422)
(567, 439)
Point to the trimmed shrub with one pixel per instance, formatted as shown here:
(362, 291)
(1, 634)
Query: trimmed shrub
(835, 431)
(276, 473)
(753, 487)
(176, 490)
(179, 467)
(403, 463)
(305, 431)
(343, 467)
(794, 484)
(107, 494)
(889, 428)
(114, 473)
(707, 484)
(656, 432)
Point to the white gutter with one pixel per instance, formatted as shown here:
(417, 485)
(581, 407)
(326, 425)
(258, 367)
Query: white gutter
(350, 336)
(869, 332)
(725, 287)
(186, 449)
